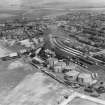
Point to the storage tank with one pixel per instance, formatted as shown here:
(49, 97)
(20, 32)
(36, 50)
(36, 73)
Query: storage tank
(13, 54)
(86, 79)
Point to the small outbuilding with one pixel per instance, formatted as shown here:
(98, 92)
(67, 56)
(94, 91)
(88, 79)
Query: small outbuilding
(72, 75)
(86, 79)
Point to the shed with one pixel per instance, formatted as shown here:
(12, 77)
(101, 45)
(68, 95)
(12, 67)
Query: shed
(72, 75)
(86, 79)
(13, 54)
(63, 64)
(38, 59)
(52, 61)
(58, 69)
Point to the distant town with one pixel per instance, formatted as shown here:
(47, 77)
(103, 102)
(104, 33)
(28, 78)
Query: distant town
(69, 48)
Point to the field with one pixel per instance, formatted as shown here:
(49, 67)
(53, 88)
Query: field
(36, 89)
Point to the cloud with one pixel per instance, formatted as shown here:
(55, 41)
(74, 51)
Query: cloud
(19, 3)
(12, 4)
(80, 2)
(9, 2)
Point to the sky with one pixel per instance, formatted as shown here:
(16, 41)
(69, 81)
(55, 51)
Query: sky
(9, 2)
(18, 3)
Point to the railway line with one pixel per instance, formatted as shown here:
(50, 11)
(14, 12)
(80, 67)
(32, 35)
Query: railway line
(65, 49)
(48, 73)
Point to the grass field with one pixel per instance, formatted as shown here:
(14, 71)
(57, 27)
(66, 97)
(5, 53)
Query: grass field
(37, 89)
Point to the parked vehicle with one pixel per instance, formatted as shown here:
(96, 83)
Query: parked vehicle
(72, 84)
(75, 85)
(89, 89)
(100, 90)
(95, 94)
(11, 56)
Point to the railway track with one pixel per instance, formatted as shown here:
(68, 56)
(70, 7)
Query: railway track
(50, 74)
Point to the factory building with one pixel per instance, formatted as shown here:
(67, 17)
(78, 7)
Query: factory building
(86, 79)
(59, 67)
(82, 78)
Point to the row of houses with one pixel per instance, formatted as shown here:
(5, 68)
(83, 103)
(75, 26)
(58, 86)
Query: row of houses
(26, 50)
(28, 43)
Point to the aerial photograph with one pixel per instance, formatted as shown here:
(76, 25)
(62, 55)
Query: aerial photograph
(52, 52)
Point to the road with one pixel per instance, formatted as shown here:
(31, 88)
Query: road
(89, 98)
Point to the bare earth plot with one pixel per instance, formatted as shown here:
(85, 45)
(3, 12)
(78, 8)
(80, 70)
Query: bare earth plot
(38, 89)
(11, 74)
(3, 51)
